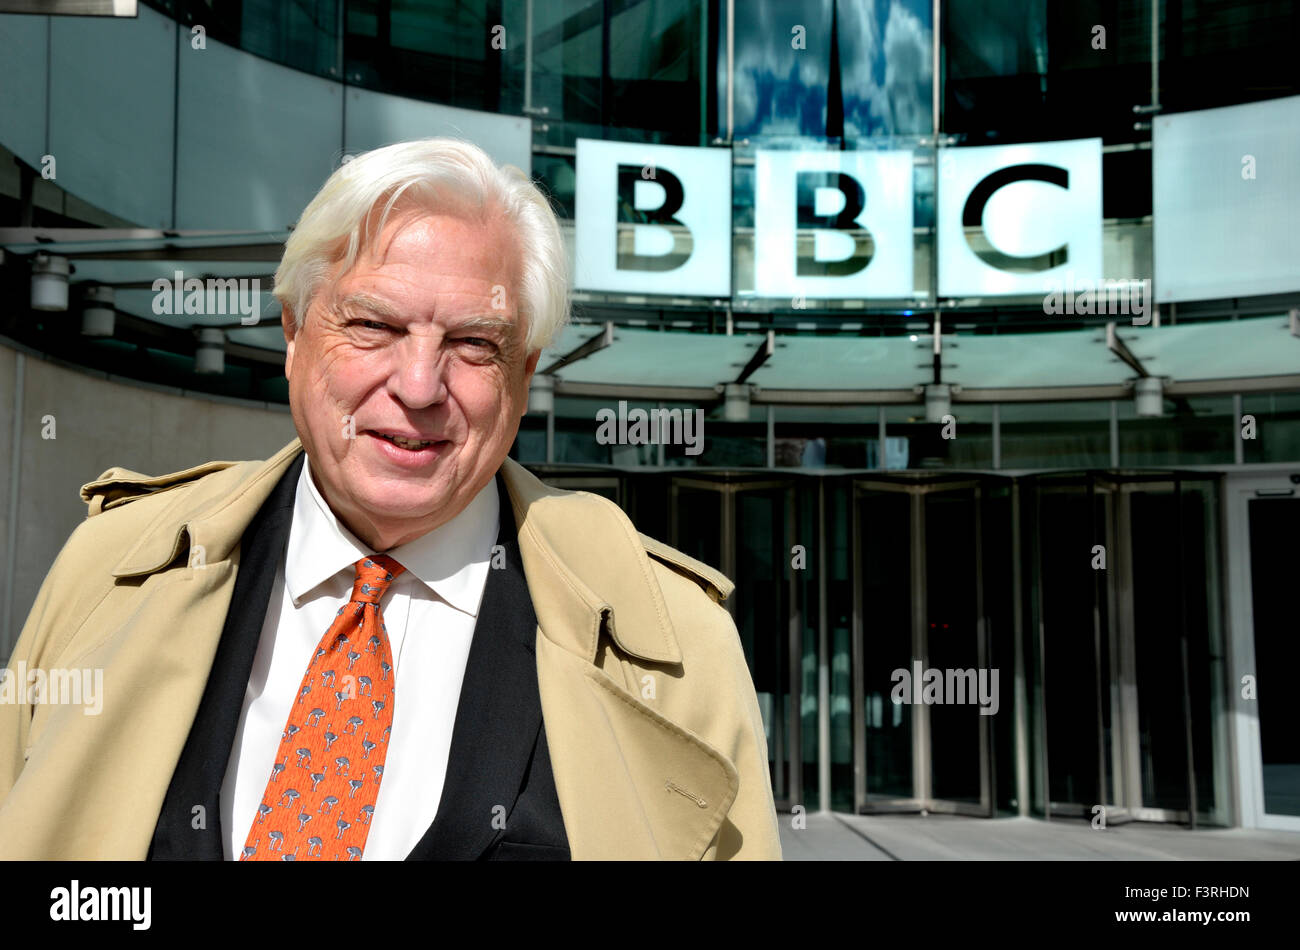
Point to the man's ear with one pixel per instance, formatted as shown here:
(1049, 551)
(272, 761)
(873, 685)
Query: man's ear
(530, 365)
(289, 326)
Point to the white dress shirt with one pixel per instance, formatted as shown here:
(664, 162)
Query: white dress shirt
(430, 612)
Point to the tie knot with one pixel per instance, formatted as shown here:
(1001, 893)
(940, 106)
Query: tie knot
(374, 574)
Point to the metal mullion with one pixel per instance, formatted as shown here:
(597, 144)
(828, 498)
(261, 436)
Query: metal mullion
(823, 659)
(988, 777)
(921, 776)
(794, 638)
(1183, 649)
(1021, 686)
(857, 658)
(1130, 727)
(1117, 793)
(1097, 581)
(1037, 556)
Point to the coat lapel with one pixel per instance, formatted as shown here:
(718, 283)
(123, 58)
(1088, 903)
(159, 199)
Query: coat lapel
(201, 768)
(631, 783)
(104, 780)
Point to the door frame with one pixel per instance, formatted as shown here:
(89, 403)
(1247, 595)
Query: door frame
(922, 798)
(792, 794)
(1125, 786)
(1248, 774)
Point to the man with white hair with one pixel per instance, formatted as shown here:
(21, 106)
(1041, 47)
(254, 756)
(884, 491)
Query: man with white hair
(389, 640)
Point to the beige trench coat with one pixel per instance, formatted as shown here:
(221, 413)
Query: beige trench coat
(141, 589)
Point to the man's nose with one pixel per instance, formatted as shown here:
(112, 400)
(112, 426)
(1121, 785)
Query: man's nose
(419, 376)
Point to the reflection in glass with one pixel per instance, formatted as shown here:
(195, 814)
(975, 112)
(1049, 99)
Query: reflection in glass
(783, 67)
(762, 610)
(952, 634)
(1274, 526)
(885, 529)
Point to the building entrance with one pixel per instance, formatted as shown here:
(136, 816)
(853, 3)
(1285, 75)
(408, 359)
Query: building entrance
(1127, 645)
(932, 636)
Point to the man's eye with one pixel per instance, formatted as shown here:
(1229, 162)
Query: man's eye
(371, 324)
(477, 341)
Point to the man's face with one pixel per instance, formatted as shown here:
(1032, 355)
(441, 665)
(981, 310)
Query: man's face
(421, 339)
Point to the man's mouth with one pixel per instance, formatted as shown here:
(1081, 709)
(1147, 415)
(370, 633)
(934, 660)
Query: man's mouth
(406, 443)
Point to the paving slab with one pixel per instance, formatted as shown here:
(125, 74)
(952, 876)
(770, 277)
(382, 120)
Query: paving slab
(842, 837)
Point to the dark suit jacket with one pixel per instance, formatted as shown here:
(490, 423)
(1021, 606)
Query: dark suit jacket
(498, 754)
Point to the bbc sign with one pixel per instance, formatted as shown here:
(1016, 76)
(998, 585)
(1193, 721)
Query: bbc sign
(1012, 219)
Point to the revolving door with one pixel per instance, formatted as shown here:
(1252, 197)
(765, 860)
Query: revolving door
(932, 642)
(1128, 656)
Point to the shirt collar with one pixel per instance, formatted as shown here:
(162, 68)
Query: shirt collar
(451, 560)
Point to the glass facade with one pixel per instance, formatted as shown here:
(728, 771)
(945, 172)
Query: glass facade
(1043, 522)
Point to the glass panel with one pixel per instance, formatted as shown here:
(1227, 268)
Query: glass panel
(654, 84)
(530, 442)
(1274, 526)
(885, 529)
(1029, 70)
(254, 141)
(953, 645)
(1055, 435)
(112, 86)
(967, 443)
(1276, 436)
(806, 532)
(457, 52)
(1218, 54)
(786, 73)
(1158, 581)
(1068, 595)
(656, 71)
(1195, 430)
(762, 609)
(1207, 661)
(997, 566)
(840, 613)
(826, 436)
(303, 34)
(697, 525)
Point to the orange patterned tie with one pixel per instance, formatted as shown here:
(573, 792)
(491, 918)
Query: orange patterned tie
(320, 800)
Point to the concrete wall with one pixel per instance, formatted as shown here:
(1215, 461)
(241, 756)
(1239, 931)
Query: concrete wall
(98, 422)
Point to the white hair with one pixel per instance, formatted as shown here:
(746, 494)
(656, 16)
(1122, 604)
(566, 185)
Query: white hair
(434, 175)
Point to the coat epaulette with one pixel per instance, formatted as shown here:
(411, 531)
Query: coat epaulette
(715, 583)
(117, 486)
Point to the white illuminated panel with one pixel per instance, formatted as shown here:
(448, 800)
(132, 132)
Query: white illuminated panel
(1037, 218)
(679, 250)
(878, 186)
(1226, 201)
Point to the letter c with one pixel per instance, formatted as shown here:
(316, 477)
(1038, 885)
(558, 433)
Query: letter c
(972, 216)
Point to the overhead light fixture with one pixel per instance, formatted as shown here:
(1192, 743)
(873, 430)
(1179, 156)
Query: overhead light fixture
(98, 314)
(735, 407)
(541, 393)
(938, 401)
(210, 356)
(1149, 398)
(50, 282)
